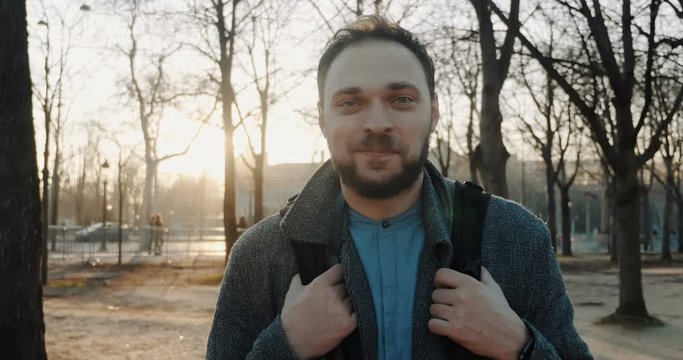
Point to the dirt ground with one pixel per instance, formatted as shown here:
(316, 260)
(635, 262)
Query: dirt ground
(163, 310)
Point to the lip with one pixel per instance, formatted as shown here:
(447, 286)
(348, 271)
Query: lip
(377, 154)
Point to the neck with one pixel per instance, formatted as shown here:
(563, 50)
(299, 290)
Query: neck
(378, 209)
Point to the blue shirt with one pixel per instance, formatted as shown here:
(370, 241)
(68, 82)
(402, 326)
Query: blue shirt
(390, 252)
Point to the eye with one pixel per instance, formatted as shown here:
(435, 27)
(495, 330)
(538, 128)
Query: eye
(348, 104)
(404, 100)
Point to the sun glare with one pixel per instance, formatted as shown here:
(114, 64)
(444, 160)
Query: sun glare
(285, 144)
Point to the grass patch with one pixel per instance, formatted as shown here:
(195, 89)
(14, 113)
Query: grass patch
(68, 283)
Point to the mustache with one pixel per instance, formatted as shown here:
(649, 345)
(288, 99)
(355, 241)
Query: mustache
(379, 143)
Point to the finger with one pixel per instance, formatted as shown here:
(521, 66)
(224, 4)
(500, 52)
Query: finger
(354, 321)
(332, 276)
(340, 290)
(350, 324)
(449, 278)
(444, 296)
(441, 311)
(348, 305)
(438, 326)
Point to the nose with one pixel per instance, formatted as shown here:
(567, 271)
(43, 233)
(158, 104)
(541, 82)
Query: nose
(378, 120)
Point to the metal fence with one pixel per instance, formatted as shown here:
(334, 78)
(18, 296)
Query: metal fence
(69, 243)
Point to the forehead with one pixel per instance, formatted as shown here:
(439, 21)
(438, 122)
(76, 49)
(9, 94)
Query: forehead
(373, 64)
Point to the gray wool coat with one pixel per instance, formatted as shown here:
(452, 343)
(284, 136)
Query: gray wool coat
(516, 250)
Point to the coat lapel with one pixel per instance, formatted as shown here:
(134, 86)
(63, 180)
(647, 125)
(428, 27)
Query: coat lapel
(437, 212)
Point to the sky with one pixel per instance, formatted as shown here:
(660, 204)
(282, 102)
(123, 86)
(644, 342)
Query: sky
(95, 85)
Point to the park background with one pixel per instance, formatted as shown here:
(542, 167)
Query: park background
(203, 114)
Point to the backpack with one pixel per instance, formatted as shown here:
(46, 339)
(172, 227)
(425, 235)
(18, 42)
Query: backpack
(470, 204)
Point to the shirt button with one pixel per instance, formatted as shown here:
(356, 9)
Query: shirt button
(385, 224)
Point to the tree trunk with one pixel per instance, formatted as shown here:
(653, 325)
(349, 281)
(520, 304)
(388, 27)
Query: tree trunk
(45, 201)
(680, 226)
(493, 153)
(606, 212)
(566, 222)
(470, 141)
(148, 190)
(613, 244)
(552, 211)
(631, 301)
(146, 236)
(21, 306)
(79, 196)
(258, 187)
(227, 47)
(666, 227)
(54, 192)
(229, 220)
(647, 218)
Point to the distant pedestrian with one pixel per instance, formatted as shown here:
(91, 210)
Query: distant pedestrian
(242, 223)
(156, 225)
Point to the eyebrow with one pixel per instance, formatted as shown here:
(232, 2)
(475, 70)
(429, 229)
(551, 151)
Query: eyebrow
(352, 90)
(402, 85)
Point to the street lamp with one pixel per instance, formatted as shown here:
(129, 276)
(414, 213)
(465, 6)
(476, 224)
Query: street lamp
(105, 169)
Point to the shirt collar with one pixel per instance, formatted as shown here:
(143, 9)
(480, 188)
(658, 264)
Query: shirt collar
(411, 217)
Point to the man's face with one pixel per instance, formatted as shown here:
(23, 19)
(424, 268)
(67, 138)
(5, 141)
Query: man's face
(377, 115)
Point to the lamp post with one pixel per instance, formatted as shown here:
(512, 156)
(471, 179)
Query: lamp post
(105, 168)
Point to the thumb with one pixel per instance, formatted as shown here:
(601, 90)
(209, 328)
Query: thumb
(295, 283)
(487, 281)
(486, 278)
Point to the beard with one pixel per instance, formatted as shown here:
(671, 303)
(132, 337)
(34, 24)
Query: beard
(392, 185)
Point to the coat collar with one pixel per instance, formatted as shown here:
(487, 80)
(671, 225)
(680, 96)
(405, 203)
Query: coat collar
(309, 216)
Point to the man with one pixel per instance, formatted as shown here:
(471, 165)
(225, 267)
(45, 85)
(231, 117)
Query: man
(377, 109)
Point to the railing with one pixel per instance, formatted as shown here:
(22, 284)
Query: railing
(67, 243)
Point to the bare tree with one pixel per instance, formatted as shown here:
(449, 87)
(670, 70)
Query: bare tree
(554, 136)
(460, 68)
(267, 33)
(221, 24)
(152, 92)
(491, 153)
(21, 304)
(672, 158)
(615, 130)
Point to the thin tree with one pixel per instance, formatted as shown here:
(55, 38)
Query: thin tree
(553, 136)
(21, 304)
(618, 142)
(151, 97)
(221, 18)
(671, 153)
(544, 142)
(460, 68)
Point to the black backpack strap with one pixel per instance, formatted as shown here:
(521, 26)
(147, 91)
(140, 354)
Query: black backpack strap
(313, 260)
(470, 204)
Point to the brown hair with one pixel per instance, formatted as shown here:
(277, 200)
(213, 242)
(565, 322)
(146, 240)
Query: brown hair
(379, 28)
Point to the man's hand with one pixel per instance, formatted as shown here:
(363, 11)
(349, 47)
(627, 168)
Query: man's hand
(476, 315)
(317, 317)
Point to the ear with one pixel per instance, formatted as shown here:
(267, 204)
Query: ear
(321, 119)
(435, 113)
